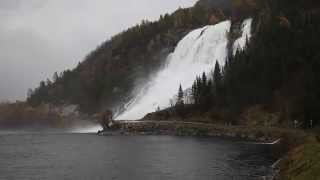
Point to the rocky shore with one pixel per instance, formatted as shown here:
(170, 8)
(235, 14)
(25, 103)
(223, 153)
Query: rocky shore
(179, 128)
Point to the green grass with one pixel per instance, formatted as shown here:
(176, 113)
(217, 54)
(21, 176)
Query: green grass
(303, 162)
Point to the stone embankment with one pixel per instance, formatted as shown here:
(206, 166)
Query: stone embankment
(260, 134)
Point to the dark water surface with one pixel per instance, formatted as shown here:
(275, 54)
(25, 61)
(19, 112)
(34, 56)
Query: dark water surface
(88, 156)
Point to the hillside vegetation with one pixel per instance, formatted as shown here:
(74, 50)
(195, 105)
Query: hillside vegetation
(303, 162)
(109, 74)
(273, 81)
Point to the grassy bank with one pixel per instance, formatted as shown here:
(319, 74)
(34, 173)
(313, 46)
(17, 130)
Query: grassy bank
(302, 162)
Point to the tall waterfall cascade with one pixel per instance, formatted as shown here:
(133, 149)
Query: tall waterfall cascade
(196, 53)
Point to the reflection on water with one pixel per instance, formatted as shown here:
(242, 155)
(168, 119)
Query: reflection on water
(88, 156)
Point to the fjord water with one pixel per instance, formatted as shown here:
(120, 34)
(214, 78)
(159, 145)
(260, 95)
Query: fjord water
(196, 53)
(88, 156)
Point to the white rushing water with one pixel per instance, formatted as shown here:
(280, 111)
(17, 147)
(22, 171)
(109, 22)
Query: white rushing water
(195, 53)
(240, 43)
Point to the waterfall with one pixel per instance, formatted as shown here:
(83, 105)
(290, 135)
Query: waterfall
(196, 53)
(240, 43)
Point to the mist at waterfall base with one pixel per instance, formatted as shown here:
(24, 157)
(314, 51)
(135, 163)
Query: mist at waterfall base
(78, 126)
(196, 53)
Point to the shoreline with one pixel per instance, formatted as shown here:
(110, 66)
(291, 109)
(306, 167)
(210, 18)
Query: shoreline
(262, 134)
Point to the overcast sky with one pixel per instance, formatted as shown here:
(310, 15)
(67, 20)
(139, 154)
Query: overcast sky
(40, 37)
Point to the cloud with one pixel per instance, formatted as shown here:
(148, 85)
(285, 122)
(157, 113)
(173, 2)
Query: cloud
(39, 37)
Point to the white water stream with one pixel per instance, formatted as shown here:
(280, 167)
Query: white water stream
(196, 53)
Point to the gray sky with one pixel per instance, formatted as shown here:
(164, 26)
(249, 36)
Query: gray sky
(40, 37)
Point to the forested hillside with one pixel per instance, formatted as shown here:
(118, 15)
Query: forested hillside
(274, 80)
(279, 69)
(107, 76)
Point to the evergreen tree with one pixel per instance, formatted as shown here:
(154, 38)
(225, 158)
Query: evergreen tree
(180, 100)
(55, 77)
(204, 78)
(217, 77)
(180, 103)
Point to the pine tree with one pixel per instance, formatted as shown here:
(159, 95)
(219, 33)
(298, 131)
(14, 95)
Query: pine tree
(204, 78)
(194, 93)
(217, 77)
(209, 95)
(180, 96)
(180, 103)
(55, 77)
